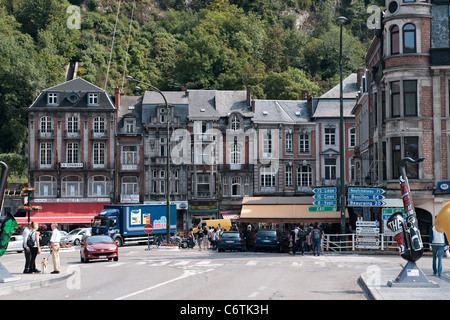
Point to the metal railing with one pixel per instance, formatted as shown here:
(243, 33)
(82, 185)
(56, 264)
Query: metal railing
(348, 242)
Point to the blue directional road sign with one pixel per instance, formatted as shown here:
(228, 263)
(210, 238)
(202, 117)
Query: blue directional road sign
(325, 190)
(365, 190)
(365, 203)
(352, 196)
(325, 202)
(325, 196)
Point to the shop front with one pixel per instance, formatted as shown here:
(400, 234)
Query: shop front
(67, 214)
(283, 213)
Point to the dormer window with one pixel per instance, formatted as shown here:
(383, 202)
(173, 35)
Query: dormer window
(235, 123)
(92, 99)
(52, 99)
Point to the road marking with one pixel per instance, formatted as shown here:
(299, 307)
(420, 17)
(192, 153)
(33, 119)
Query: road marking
(254, 294)
(115, 265)
(186, 274)
(297, 264)
(182, 263)
(251, 263)
(158, 264)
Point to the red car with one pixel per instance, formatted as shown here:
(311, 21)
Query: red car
(99, 247)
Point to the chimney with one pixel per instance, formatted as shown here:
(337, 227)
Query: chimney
(359, 75)
(186, 92)
(117, 95)
(253, 105)
(305, 94)
(248, 95)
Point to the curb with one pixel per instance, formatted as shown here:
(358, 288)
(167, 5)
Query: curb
(20, 287)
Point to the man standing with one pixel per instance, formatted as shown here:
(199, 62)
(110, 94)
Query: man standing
(54, 247)
(26, 249)
(438, 243)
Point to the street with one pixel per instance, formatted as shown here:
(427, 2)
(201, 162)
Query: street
(188, 274)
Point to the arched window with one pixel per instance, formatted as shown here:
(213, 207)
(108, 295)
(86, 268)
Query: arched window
(395, 37)
(45, 186)
(235, 123)
(235, 154)
(72, 186)
(98, 186)
(409, 38)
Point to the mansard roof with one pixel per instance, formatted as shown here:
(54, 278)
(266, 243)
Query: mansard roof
(73, 94)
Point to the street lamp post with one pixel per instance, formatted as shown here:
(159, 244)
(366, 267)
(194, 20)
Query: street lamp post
(341, 21)
(167, 155)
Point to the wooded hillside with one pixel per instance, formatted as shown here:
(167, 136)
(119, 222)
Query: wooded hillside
(278, 47)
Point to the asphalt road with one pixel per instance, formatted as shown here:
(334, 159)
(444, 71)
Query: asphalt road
(188, 274)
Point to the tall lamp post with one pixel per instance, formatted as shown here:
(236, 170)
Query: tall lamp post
(167, 155)
(341, 21)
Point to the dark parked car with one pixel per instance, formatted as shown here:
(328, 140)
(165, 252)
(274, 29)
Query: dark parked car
(99, 247)
(268, 240)
(45, 238)
(230, 240)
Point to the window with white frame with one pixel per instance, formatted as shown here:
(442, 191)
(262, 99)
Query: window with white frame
(304, 143)
(225, 186)
(203, 185)
(304, 176)
(130, 185)
(235, 154)
(99, 124)
(235, 123)
(52, 98)
(288, 173)
(72, 152)
(352, 138)
(288, 146)
(267, 143)
(98, 186)
(129, 155)
(45, 186)
(45, 153)
(93, 99)
(72, 124)
(45, 124)
(247, 186)
(98, 152)
(72, 186)
(330, 136)
(236, 183)
(267, 177)
(129, 126)
(330, 169)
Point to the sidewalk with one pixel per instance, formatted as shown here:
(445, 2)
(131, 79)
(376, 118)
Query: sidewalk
(376, 286)
(30, 281)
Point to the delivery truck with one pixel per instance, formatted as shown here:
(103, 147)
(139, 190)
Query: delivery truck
(125, 223)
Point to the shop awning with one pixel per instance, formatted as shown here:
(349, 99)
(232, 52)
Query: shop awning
(285, 210)
(63, 213)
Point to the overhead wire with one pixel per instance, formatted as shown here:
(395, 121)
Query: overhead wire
(112, 46)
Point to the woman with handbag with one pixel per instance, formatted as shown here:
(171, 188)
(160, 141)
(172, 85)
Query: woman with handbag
(34, 246)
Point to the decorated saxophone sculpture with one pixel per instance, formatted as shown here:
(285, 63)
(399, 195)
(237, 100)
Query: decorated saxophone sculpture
(8, 223)
(407, 233)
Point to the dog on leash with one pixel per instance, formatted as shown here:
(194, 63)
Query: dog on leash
(44, 265)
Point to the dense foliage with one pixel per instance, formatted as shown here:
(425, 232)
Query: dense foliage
(278, 47)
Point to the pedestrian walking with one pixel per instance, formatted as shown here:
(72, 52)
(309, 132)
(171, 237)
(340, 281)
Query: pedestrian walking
(54, 248)
(205, 238)
(214, 239)
(199, 239)
(316, 238)
(300, 240)
(26, 249)
(191, 243)
(33, 244)
(438, 244)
